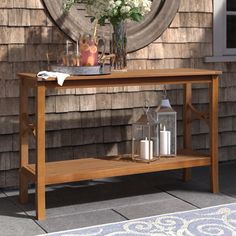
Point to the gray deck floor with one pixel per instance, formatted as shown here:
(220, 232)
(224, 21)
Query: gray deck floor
(117, 199)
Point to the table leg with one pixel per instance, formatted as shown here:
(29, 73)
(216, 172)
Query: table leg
(24, 143)
(40, 152)
(187, 127)
(214, 134)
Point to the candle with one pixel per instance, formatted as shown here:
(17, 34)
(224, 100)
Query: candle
(146, 149)
(165, 142)
(67, 52)
(77, 53)
(77, 48)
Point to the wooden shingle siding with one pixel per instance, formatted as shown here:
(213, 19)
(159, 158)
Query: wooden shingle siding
(90, 122)
(196, 20)
(196, 6)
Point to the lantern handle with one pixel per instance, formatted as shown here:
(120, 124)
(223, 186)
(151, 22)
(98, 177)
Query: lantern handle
(164, 92)
(146, 106)
(146, 109)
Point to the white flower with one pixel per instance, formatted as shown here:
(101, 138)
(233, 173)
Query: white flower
(110, 9)
(125, 9)
(118, 3)
(122, 10)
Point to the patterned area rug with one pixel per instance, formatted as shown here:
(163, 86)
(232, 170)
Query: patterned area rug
(218, 220)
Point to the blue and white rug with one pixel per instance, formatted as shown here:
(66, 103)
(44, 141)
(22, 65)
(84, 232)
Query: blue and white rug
(218, 220)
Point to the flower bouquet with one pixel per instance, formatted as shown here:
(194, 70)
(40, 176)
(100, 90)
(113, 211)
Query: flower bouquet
(116, 12)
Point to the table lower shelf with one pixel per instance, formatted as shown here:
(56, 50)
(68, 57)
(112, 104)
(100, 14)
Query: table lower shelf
(94, 168)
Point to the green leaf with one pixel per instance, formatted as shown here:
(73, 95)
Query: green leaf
(136, 17)
(102, 20)
(69, 3)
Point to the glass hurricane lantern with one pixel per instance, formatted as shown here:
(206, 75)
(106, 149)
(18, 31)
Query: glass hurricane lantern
(166, 118)
(145, 139)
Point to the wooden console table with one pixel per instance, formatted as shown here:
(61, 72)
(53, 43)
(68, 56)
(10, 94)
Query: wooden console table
(42, 173)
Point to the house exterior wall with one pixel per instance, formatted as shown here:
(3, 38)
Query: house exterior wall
(89, 122)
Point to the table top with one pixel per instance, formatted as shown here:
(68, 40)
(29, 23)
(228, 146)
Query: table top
(130, 77)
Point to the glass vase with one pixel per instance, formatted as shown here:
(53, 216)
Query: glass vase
(118, 46)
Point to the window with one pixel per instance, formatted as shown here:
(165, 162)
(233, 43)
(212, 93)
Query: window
(231, 26)
(224, 31)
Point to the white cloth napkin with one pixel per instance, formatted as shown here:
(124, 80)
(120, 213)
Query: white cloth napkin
(60, 76)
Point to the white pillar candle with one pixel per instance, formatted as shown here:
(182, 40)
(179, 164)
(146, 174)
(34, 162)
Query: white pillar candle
(146, 149)
(165, 142)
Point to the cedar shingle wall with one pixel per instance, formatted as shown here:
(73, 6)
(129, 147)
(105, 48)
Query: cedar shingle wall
(101, 127)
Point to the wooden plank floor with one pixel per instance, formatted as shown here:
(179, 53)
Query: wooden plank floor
(93, 168)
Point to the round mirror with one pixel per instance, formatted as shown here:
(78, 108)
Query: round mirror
(76, 22)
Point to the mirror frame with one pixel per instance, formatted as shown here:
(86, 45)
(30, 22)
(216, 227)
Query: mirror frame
(141, 34)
